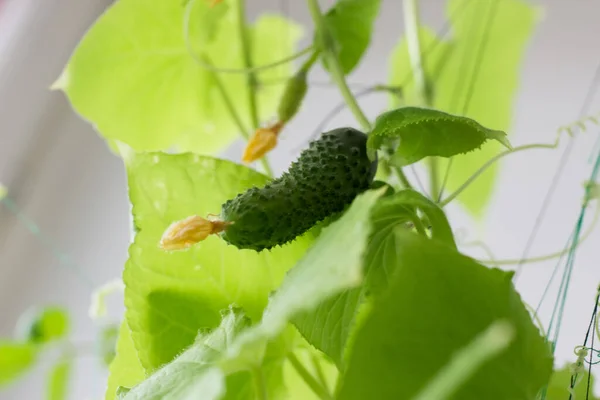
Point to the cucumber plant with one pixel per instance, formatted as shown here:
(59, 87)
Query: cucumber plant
(339, 279)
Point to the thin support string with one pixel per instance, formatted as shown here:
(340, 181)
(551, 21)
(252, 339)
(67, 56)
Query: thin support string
(559, 305)
(64, 260)
(593, 88)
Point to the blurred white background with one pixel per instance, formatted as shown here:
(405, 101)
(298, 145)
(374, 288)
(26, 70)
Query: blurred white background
(62, 175)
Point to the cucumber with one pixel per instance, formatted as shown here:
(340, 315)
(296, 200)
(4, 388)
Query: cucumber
(327, 176)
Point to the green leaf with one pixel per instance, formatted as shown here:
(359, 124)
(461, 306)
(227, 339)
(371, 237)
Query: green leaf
(171, 295)
(492, 94)
(438, 301)
(329, 326)
(558, 388)
(424, 132)
(16, 358)
(58, 380)
(3, 191)
(350, 22)
(43, 325)
(327, 268)
(125, 370)
(134, 79)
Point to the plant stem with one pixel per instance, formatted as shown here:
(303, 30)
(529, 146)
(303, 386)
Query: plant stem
(251, 76)
(402, 177)
(488, 164)
(319, 371)
(204, 60)
(411, 26)
(335, 69)
(259, 384)
(316, 387)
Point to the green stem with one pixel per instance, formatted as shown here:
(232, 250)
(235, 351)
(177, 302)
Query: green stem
(308, 378)
(203, 59)
(251, 77)
(402, 177)
(335, 69)
(411, 26)
(488, 164)
(227, 100)
(319, 370)
(411, 23)
(259, 384)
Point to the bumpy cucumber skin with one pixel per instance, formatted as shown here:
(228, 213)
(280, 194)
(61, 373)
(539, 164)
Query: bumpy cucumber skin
(327, 176)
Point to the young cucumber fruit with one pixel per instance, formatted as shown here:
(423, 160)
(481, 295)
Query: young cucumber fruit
(320, 184)
(327, 176)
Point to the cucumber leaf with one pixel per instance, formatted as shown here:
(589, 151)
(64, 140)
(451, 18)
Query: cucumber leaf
(350, 22)
(169, 296)
(327, 268)
(424, 132)
(508, 31)
(329, 327)
(440, 299)
(58, 380)
(16, 358)
(134, 79)
(125, 370)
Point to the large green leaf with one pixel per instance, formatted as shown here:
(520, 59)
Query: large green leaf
(438, 301)
(560, 383)
(171, 295)
(58, 380)
(508, 26)
(125, 370)
(134, 79)
(16, 358)
(422, 132)
(327, 268)
(330, 325)
(350, 22)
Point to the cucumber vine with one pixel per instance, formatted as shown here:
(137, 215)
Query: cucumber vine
(339, 279)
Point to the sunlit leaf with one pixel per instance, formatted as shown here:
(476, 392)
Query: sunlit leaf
(350, 22)
(58, 380)
(422, 132)
(16, 358)
(438, 301)
(171, 295)
(507, 26)
(324, 271)
(125, 370)
(134, 79)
